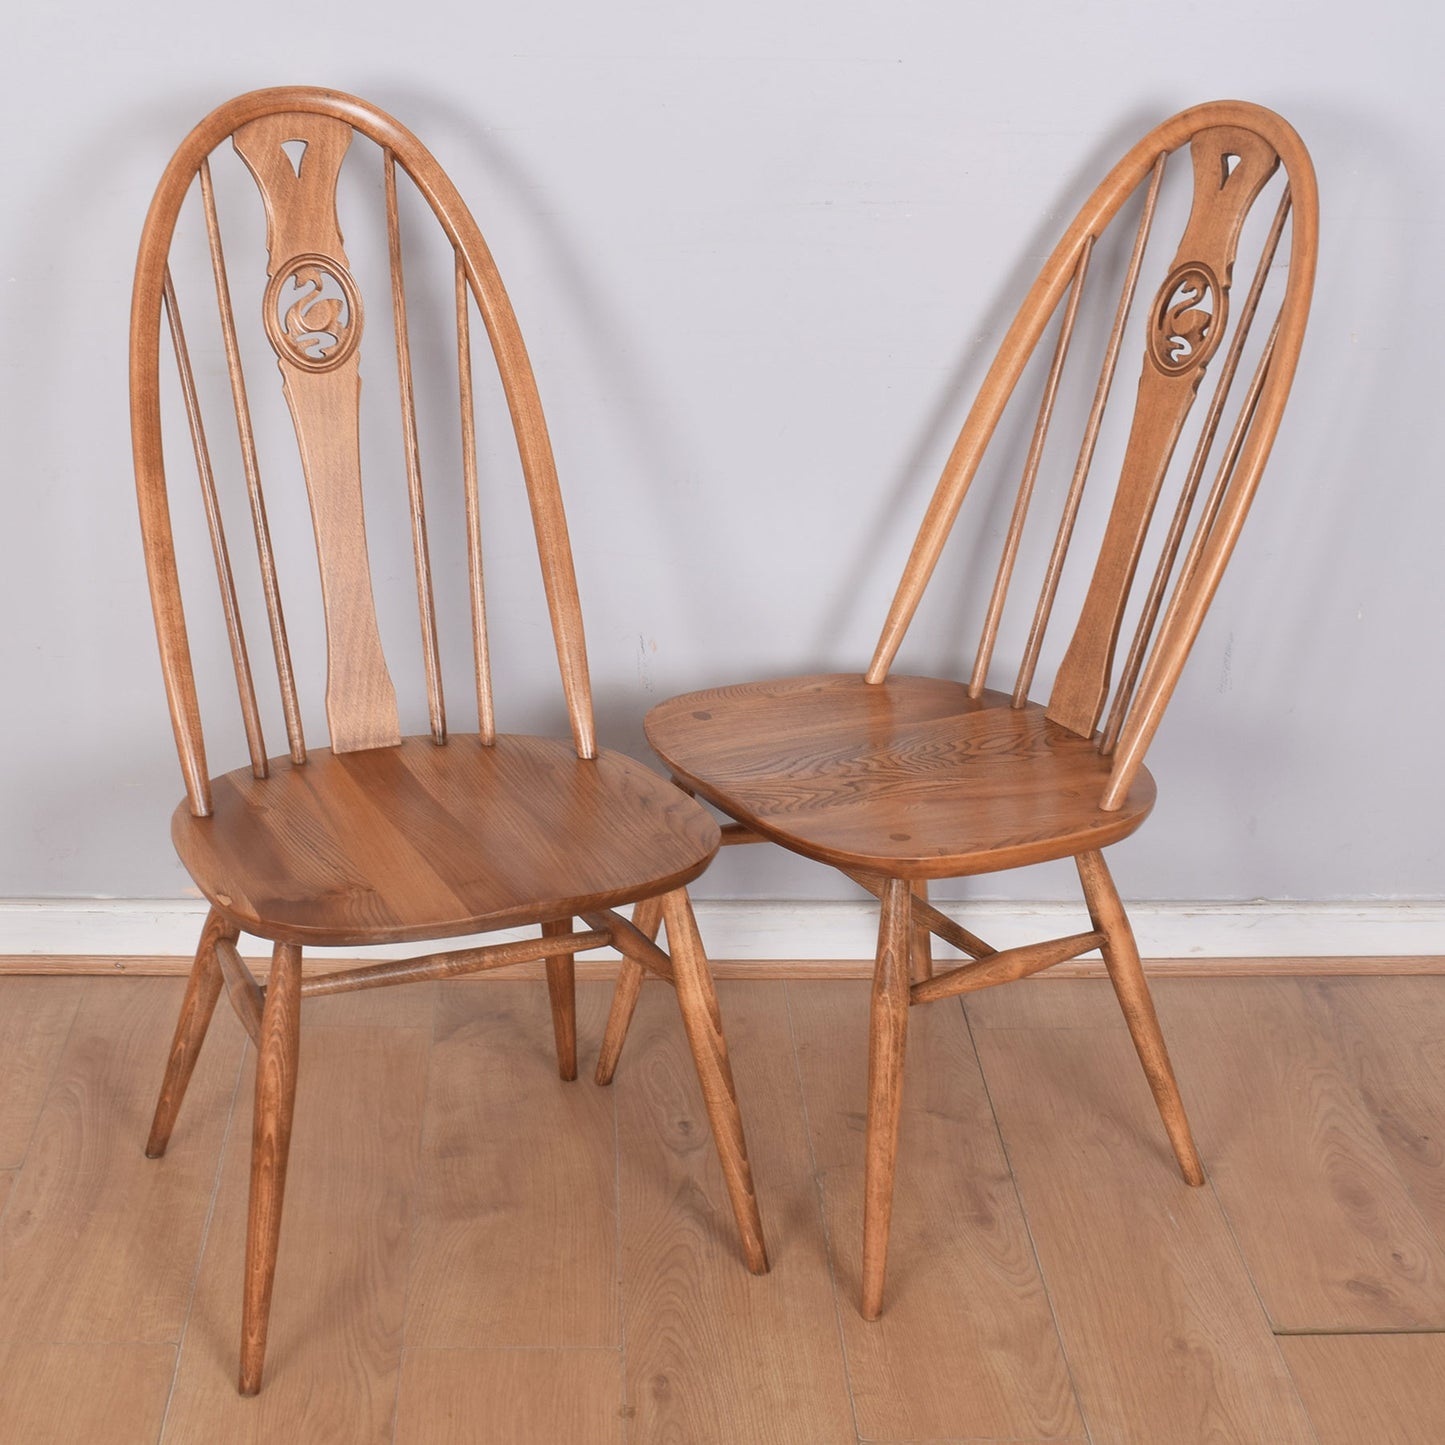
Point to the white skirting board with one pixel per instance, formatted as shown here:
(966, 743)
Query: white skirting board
(756, 930)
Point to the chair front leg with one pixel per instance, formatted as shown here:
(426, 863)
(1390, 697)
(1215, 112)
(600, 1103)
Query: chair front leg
(702, 1020)
(887, 1042)
(276, 1063)
(202, 990)
(562, 991)
(1121, 958)
(646, 917)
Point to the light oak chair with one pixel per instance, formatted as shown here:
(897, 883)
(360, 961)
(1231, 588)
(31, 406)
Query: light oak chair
(377, 838)
(899, 780)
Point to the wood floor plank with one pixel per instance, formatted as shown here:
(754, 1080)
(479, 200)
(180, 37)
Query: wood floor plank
(1392, 1035)
(1165, 1336)
(404, 1006)
(35, 1020)
(517, 1237)
(98, 1242)
(98, 1394)
(1371, 1389)
(511, 1397)
(7, 1180)
(334, 1352)
(714, 1353)
(961, 1267)
(1329, 1228)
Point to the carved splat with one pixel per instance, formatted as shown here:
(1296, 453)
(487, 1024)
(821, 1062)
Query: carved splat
(1186, 325)
(313, 317)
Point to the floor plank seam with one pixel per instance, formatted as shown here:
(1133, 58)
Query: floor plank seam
(225, 1138)
(838, 1304)
(513, 1349)
(1347, 1332)
(415, 1215)
(1028, 1225)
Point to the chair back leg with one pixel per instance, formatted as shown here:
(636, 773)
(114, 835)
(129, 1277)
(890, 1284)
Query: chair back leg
(702, 1021)
(562, 990)
(647, 919)
(276, 1064)
(202, 990)
(1121, 958)
(887, 1042)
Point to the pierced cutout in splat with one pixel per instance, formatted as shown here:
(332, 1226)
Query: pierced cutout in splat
(1189, 319)
(312, 311)
(295, 151)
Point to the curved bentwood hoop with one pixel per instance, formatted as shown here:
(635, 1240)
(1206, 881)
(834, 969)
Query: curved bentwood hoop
(897, 780)
(375, 837)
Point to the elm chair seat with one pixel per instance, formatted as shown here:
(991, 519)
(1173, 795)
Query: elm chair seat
(911, 775)
(426, 842)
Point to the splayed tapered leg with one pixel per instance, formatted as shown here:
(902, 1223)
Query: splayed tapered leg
(276, 1063)
(887, 1042)
(646, 917)
(1121, 958)
(921, 965)
(562, 991)
(202, 990)
(701, 1018)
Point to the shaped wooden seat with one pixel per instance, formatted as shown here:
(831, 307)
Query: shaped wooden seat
(900, 780)
(377, 838)
(910, 776)
(421, 842)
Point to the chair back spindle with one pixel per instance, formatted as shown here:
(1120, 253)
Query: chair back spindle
(245, 435)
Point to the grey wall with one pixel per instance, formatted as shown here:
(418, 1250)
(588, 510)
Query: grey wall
(759, 251)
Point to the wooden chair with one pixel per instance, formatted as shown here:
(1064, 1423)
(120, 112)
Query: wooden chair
(378, 838)
(898, 780)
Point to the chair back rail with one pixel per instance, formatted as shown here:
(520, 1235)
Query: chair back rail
(294, 142)
(1235, 149)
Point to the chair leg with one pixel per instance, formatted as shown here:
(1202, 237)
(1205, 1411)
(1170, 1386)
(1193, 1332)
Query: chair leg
(562, 989)
(647, 917)
(702, 1020)
(1121, 958)
(276, 1063)
(887, 1041)
(202, 991)
(921, 963)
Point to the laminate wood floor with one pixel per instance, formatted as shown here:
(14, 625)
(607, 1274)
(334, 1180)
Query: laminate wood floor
(474, 1251)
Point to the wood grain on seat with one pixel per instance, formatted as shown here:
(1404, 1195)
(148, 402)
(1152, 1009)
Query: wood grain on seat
(420, 841)
(911, 776)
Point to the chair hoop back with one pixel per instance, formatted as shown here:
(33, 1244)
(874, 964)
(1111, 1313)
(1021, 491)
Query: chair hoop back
(293, 142)
(1186, 322)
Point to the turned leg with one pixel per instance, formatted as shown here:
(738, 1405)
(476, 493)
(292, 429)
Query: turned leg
(202, 991)
(562, 989)
(921, 962)
(647, 917)
(697, 999)
(887, 1040)
(1121, 958)
(276, 1061)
